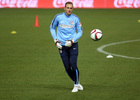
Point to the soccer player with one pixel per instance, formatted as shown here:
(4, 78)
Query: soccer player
(69, 30)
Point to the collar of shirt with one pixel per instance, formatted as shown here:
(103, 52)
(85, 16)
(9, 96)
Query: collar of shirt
(67, 15)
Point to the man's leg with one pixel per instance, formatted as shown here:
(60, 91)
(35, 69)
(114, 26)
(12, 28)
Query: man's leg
(66, 61)
(75, 71)
(73, 63)
(77, 85)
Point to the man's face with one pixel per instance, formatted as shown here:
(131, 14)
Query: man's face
(68, 9)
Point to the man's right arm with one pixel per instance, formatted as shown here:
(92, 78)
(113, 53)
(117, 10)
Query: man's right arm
(52, 28)
(53, 25)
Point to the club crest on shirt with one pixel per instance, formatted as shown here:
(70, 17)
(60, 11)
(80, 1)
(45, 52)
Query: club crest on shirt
(71, 22)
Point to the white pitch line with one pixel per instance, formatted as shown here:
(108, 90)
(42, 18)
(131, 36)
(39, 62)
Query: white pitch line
(100, 49)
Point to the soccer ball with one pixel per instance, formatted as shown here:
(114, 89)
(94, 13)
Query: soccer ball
(96, 34)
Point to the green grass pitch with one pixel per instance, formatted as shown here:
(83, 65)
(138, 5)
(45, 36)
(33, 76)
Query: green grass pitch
(31, 68)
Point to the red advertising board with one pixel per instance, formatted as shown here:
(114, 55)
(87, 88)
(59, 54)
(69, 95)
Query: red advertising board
(77, 3)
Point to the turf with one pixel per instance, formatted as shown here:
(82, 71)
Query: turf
(31, 68)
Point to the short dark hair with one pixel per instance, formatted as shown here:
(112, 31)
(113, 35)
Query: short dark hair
(68, 3)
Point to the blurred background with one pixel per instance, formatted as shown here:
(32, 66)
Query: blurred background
(30, 64)
(77, 3)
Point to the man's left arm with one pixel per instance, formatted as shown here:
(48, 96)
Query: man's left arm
(79, 30)
(78, 34)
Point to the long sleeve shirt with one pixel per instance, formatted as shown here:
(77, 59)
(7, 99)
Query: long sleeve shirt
(68, 27)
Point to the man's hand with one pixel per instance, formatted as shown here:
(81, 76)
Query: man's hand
(69, 43)
(58, 44)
